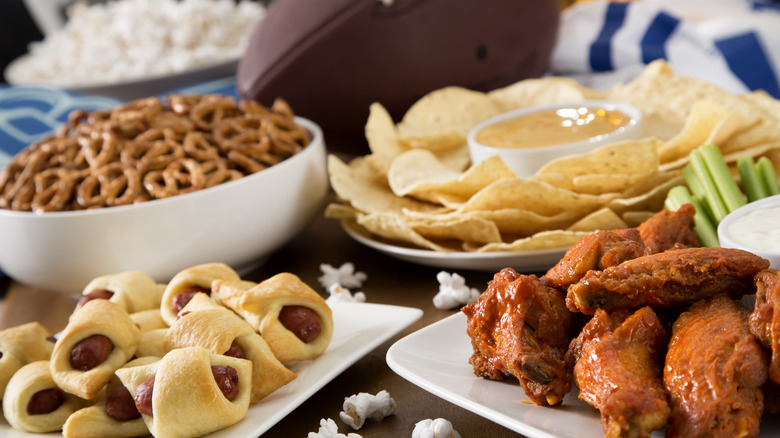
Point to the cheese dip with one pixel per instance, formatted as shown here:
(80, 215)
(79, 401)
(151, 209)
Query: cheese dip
(759, 229)
(552, 127)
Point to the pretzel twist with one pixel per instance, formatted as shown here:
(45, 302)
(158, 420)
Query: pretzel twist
(53, 189)
(217, 171)
(183, 175)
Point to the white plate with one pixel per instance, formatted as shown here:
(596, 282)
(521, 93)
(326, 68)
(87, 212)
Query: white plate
(435, 358)
(358, 329)
(136, 88)
(526, 261)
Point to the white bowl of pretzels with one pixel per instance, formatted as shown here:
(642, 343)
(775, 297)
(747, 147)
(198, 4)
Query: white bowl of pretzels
(140, 187)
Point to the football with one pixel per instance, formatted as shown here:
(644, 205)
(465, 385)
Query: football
(330, 59)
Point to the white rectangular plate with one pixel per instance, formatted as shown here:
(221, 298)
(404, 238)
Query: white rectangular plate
(435, 358)
(358, 328)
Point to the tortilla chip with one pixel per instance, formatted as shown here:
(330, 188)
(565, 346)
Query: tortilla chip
(536, 196)
(603, 219)
(625, 157)
(367, 195)
(554, 239)
(420, 174)
(541, 91)
(442, 118)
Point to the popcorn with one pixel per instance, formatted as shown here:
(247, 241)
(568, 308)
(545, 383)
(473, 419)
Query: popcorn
(345, 275)
(328, 429)
(340, 293)
(438, 428)
(359, 407)
(125, 40)
(453, 291)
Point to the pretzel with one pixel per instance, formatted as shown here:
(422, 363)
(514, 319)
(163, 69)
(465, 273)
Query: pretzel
(110, 185)
(180, 176)
(211, 110)
(134, 117)
(53, 189)
(160, 154)
(217, 171)
(198, 146)
(237, 132)
(99, 148)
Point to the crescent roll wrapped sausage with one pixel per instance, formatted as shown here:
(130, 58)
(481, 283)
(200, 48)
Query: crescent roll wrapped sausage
(99, 338)
(34, 403)
(190, 281)
(113, 415)
(221, 331)
(132, 290)
(21, 345)
(190, 392)
(293, 318)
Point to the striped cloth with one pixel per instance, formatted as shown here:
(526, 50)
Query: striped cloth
(732, 43)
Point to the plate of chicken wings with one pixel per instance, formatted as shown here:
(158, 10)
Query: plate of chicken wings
(635, 332)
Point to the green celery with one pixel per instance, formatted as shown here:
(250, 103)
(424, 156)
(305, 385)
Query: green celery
(729, 191)
(766, 172)
(751, 182)
(711, 193)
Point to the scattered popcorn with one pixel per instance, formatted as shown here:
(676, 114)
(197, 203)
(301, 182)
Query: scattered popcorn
(359, 407)
(438, 428)
(340, 293)
(127, 40)
(344, 275)
(328, 429)
(453, 291)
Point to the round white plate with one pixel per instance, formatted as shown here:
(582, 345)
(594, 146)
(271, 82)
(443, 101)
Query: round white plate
(133, 89)
(526, 261)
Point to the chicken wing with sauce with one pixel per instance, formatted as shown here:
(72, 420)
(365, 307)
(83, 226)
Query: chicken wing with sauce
(618, 367)
(596, 251)
(714, 372)
(520, 326)
(765, 321)
(667, 230)
(667, 279)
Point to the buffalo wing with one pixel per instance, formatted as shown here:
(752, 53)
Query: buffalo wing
(667, 279)
(667, 230)
(520, 326)
(714, 372)
(764, 321)
(618, 361)
(596, 251)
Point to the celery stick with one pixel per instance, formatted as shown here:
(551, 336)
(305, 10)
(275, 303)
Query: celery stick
(711, 193)
(703, 226)
(721, 175)
(692, 181)
(751, 183)
(766, 172)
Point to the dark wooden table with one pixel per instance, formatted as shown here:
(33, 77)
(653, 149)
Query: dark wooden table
(390, 281)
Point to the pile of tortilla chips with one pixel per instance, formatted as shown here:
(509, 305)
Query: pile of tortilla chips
(417, 187)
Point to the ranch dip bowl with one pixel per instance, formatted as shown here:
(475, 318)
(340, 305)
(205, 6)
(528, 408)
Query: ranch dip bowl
(528, 138)
(754, 227)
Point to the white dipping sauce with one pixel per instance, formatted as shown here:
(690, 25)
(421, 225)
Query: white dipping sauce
(758, 229)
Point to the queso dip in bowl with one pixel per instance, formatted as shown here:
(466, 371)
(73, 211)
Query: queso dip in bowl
(528, 138)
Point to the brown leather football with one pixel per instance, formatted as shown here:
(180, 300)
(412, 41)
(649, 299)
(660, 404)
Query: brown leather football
(330, 59)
